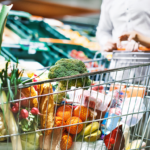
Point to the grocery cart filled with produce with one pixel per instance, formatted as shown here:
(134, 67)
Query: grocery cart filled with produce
(66, 107)
(63, 108)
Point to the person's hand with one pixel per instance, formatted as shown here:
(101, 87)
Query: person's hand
(132, 44)
(110, 46)
(127, 37)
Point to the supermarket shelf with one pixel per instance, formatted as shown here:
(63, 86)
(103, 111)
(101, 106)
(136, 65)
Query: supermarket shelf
(57, 10)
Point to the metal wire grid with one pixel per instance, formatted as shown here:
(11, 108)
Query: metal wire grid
(141, 130)
(120, 59)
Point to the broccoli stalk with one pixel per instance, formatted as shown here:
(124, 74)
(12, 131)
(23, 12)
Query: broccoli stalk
(59, 97)
(68, 67)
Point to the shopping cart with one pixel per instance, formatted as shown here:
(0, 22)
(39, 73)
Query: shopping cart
(52, 135)
(120, 59)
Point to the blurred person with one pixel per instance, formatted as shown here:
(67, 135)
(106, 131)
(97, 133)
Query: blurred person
(120, 16)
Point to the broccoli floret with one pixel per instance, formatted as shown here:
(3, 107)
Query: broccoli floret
(68, 67)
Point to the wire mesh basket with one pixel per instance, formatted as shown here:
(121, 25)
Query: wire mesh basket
(74, 113)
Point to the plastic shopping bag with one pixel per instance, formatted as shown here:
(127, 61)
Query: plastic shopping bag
(98, 145)
(95, 100)
(132, 105)
(90, 98)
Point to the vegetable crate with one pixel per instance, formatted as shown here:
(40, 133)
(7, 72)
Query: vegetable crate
(67, 48)
(33, 29)
(45, 54)
(77, 112)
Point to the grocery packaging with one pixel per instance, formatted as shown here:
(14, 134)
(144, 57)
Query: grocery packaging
(132, 105)
(134, 91)
(135, 145)
(51, 141)
(94, 100)
(115, 140)
(114, 110)
(88, 145)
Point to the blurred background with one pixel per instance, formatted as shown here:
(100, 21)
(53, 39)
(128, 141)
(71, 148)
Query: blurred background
(80, 11)
(43, 30)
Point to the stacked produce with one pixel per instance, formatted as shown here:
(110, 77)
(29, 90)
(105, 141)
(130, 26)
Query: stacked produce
(81, 56)
(70, 116)
(77, 38)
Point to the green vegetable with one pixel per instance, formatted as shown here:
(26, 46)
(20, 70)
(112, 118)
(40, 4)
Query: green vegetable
(30, 141)
(29, 124)
(68, 67)
(13, 80)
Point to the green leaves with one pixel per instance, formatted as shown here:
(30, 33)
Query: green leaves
(3, 17)
(10, 80)
(29, 124)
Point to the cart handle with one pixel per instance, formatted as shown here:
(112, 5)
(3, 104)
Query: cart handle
(140, 49)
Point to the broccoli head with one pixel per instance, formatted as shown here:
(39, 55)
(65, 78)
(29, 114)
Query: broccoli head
(68, 67)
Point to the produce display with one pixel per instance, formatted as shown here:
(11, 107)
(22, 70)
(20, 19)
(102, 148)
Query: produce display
(81, 56)
(77, 38)
(10, 37)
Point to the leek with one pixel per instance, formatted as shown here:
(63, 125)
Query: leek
(11, 123)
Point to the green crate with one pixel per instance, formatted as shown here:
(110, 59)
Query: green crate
(46, 55)
(21, 14)
(33, 29)
(67, 48)
(107, 63)
(21, 30)
(7, 55)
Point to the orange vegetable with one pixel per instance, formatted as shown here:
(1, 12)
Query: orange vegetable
(66, 141)
(82, 112)
(76, 128)
(59, 122)
(64, 112)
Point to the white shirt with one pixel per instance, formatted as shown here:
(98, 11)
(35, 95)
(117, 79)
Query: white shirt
(119, 16)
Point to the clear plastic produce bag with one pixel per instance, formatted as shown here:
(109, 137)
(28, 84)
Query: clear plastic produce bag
(90, 98)
(132, 105)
